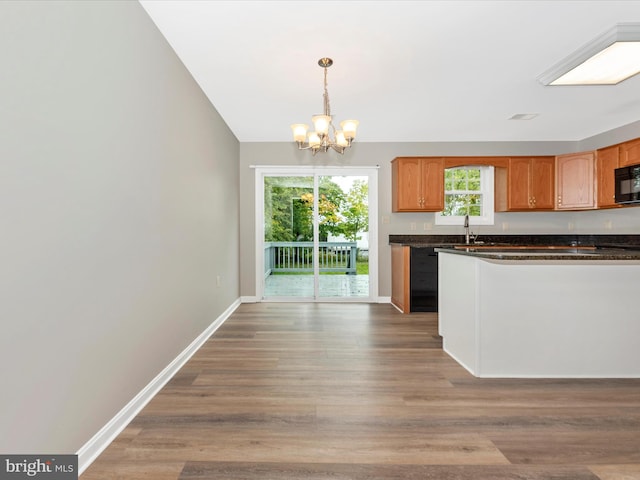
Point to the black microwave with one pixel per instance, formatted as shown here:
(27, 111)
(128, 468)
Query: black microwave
(627, 184)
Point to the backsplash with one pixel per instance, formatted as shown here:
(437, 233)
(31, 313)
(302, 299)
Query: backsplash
(624, 220)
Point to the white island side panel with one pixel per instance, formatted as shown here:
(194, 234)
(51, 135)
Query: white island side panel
(571, 319)
(457, 308)
(546, 318)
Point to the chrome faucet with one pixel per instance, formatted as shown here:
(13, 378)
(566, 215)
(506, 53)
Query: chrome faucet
(466, 229)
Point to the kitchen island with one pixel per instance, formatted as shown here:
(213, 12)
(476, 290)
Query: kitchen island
(534, 312)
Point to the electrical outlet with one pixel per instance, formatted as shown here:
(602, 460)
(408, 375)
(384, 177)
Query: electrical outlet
(571, 226)
(608, 225)
(505, 226)
(385, 219)
(412, 226)
(428, 225)
(218, 281)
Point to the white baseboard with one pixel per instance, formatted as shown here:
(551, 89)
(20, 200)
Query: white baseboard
(252, 299)
(101, 440)
(396, 307)
(384, 299)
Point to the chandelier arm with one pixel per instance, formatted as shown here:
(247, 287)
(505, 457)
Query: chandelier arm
(337, 148)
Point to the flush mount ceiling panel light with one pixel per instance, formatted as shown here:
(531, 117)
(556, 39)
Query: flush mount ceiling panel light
(325, 135)
(608, 60)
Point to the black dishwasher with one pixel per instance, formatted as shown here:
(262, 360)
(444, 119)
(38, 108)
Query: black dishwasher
(424, 280)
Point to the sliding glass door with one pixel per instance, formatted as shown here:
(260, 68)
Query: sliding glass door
(288, 244)
(315, 235)
(343, 224)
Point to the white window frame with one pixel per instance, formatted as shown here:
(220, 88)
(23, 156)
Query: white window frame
(488, 194)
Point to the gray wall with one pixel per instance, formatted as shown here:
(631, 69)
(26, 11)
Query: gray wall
(116, 174)
(370, 154)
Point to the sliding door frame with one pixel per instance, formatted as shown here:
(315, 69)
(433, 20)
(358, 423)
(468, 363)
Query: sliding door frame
(306, 171)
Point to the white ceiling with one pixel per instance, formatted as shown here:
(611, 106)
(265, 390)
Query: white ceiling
(409, 71)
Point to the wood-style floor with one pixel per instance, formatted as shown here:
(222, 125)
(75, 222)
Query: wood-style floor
(361, 392)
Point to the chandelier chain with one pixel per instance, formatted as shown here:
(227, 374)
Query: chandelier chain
(327, 105)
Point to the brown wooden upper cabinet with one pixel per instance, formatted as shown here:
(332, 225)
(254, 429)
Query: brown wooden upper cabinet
(575, 181)
(606, 163)
(530, 183)
(417, 184)
(630, 153)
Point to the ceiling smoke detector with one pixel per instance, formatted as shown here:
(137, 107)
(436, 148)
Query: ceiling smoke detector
(523, 116)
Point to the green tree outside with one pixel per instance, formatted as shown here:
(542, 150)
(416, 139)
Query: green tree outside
(289, 208)
(288, 205)
(355, 211)
(462, 192)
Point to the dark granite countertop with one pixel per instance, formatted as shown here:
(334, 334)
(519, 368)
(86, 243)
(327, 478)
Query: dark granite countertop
(545, 253)
(612, 241)
(531, 247)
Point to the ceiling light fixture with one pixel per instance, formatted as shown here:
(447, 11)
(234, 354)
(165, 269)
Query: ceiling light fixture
(609, 59)
(325, 135)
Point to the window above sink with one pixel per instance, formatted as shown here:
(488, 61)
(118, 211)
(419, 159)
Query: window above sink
(468, 190)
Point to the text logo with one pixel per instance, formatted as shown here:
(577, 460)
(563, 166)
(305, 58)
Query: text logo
(44, 467)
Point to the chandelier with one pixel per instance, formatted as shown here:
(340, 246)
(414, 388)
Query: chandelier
(325, 135)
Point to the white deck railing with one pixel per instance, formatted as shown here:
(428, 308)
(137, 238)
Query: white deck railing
(288, 257)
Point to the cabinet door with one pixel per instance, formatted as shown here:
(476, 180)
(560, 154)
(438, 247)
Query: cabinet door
(518, 197)
(606, 163)
(575, 181)
(400, 277)
(541, 183)
(630, 153)
(432, 184)
(407, 184)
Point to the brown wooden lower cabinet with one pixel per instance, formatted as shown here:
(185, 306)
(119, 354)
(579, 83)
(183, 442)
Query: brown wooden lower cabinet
(400, 280)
